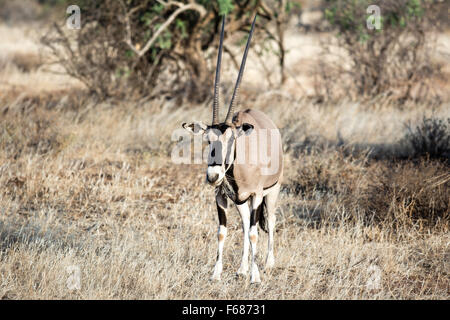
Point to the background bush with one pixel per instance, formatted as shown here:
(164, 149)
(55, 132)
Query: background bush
(156, 47)
(431, 138)
(393, 60)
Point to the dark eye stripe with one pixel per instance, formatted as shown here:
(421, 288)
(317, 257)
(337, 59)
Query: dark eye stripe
(215, 158)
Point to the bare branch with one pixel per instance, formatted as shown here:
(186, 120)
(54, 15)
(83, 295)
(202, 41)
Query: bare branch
(232, 56)
(181, 8)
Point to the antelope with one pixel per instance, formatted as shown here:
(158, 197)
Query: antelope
(235, 174)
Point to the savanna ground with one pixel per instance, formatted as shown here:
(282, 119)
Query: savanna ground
(92, 186)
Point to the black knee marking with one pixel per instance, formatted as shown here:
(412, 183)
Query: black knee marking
(222, 216)
(263, 215)
(256, 214)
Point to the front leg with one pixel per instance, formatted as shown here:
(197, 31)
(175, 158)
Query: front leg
(222, 204)
(244, 211)
(253, 235)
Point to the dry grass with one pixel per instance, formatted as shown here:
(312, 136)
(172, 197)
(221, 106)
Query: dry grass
(98, 191)
(92, 185)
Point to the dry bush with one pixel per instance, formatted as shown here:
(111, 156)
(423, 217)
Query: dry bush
(431, 138)
(394, 61)
(150, 48)
(329, 175)
(32, 133)
(352, 189)
(406, 194)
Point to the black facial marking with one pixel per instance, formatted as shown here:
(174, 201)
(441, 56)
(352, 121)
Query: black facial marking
(222, 127)
(247, 126)
(215, 158)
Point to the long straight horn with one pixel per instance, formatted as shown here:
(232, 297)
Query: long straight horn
(238, 81)
(217, 80)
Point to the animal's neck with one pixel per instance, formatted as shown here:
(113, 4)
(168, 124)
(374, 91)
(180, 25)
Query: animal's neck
(229, 187)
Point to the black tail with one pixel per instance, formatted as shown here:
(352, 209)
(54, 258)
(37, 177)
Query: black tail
(262, 214)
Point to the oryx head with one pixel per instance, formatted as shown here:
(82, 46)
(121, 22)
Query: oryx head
(222, 136)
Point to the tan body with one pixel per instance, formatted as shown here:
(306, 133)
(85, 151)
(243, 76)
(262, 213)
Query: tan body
(247, 174)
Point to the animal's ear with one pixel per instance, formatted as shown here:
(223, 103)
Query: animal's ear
(246, 129)
(195, 127)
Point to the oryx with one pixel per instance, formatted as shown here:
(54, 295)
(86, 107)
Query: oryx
(245, 165)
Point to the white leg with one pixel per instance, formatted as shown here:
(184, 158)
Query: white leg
(244, 211)
(222, 205)
(271, 199)
(221, 236)
(253, 236)
(255, 278)
(270, 260)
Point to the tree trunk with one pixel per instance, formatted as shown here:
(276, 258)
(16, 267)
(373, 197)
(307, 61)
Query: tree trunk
(199, 85)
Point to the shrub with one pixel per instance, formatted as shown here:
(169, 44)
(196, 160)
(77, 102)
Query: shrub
(150, 47)
(431, 138)
(393, 60)
(405, 194)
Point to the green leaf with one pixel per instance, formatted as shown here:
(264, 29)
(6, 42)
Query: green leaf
(129, 54)
(181, 25)
(225, 6)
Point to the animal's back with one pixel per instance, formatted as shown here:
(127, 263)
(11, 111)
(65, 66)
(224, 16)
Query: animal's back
(255, 117)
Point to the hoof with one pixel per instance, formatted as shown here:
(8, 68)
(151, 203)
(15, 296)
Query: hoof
(255, 278)
(242, 271)
(217, 271)
(215, 277)
(270, 262)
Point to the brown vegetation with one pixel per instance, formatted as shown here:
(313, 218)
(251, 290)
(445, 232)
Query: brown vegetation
(395, 61)
(90, 184)
(151, 48)
(100, 193)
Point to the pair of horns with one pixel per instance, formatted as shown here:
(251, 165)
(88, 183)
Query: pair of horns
(234, 98)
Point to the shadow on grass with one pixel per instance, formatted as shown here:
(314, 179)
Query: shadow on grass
(15, 232)
(395, 177)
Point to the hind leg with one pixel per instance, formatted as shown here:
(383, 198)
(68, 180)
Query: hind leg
(256, 204)
(271, 199)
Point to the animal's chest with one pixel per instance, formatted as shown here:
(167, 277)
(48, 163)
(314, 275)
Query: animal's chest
(230, 189)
